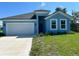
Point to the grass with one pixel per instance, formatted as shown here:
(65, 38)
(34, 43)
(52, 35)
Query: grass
(56, 45)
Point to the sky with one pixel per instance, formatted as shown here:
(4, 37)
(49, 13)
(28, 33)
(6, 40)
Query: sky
(16, 8)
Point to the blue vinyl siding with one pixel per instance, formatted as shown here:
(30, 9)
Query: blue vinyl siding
(58, 17)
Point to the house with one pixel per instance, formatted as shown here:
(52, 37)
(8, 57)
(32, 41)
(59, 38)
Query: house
(38, 21)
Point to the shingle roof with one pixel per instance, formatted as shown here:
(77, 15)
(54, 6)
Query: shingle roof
(57, 12)
(22, 16)
(25, 16)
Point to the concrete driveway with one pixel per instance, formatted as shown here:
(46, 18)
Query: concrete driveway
(15, 46)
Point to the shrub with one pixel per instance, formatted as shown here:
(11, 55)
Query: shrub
(59, 33)
(2, 34)
(74, 27)
(49, 33)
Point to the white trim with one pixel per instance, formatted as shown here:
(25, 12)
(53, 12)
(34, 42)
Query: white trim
(65, 24)
(51, 24)
(57, 13)
(20, 20)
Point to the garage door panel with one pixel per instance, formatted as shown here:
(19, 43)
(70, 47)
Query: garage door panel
(19, 28)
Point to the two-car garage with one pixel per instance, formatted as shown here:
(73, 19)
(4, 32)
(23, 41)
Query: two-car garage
(20, 28)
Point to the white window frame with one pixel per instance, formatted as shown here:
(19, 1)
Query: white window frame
(51, 24)
(65, 24)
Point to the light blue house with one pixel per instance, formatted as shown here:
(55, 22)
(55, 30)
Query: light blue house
(39, 21)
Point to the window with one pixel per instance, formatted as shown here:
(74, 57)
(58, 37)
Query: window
(53, 24)
(63, 24)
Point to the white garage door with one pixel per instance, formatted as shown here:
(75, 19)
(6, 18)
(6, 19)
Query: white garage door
(19, 28)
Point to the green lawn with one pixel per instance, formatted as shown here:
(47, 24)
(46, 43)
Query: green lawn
(59, 45)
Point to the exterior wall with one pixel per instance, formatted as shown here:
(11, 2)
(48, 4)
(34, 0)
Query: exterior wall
(5, 22)
(58, 17)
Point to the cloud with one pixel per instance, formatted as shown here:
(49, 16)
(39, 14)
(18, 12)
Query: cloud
(42, 4)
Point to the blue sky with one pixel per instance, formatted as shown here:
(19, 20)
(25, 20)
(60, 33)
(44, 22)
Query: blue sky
(15, 8)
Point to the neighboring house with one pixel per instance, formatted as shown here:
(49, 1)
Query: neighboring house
(75, 21)
(39, 21)
(75, 17)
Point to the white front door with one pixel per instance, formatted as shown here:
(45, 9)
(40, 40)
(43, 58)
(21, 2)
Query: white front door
(20, 28)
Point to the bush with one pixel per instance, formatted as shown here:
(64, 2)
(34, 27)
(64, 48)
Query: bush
(50, 33)
(59, 33)
(2, 34)
(75, 27)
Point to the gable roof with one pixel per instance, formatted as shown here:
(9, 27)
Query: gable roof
(32, 15)
(26, 16)
(22, 16)
(65, 14)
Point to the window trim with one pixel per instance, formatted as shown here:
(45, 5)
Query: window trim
(51, 24)
(65, 24)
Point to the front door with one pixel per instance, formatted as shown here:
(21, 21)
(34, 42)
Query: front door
(41, 24)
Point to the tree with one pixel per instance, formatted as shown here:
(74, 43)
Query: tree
(64, 10)
(61, 9)
(74, 23)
